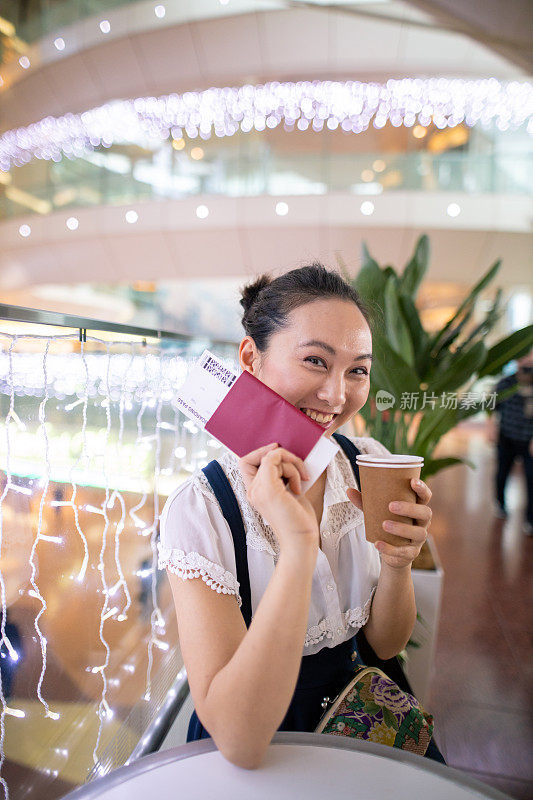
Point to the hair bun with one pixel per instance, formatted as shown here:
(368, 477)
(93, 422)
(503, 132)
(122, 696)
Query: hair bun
(250, 292)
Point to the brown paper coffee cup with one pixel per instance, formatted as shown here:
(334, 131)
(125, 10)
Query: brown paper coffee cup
(384, 479)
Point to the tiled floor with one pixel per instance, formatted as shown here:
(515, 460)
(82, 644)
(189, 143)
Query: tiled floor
(482, 689)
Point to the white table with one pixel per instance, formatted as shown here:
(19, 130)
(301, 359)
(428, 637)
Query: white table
(314, 766)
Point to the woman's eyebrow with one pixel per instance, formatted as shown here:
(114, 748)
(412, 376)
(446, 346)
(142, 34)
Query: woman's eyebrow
(330, 349)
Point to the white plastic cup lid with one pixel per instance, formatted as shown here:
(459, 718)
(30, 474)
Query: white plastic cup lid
(390, 461)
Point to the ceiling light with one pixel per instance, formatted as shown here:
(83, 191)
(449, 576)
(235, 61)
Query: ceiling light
(282, 209)
(72, 223)
(160, 11)
(367, 208)
(228, 110)
(178, 144)
(453, 210)
(25, 230)
(378, 165)
(24, 62)
(131, 216)
(197, 153)
(105, 26)
(202, 212)
(367, 175)
(59, 43)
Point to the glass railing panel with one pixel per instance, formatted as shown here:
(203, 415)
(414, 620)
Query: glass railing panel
(111, 177)
(91, 444)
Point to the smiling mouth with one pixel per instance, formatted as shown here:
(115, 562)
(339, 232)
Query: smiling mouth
(318, 416)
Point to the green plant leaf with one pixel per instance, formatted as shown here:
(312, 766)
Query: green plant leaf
(344, 269)
(419, 336)
(516, 345)
(370, 282)
(395, 325)
(480, 285)
(461, 369)
(390, 371)
(415, 270)
(436, 423)
(434, 465)
(433, 424)
(487, 323)
(505, 393)
(454, 332)
(389, 272)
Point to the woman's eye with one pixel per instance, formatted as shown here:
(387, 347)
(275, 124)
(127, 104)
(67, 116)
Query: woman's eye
(319, 361)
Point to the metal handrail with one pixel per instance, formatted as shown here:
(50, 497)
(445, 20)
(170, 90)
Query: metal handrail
(57, 318)
(158, 729)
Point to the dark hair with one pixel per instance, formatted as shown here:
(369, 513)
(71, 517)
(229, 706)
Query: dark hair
(268, 301)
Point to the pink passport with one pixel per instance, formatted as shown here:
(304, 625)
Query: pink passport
(252, 415)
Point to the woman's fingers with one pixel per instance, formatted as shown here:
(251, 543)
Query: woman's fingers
(422, 490)
(355, 497)
(411, 510)
(415, 533)
(294, 479)
(282, 456)
(254, 457)
(397, 556)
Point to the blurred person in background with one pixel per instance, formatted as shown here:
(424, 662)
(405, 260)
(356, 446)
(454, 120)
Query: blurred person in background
(512, 431)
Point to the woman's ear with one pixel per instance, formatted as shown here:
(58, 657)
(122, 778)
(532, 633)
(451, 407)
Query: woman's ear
(248, 355)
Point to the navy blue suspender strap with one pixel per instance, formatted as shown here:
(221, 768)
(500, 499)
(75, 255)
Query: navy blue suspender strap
(230, 508)
(350, 451)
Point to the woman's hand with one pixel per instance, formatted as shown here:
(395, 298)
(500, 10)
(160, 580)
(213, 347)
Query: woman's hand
(282, 505)
(401, 556)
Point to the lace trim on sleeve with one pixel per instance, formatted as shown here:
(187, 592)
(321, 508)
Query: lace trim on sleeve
(357, 617)
(205, 487)
(193, 565)
(326, 628)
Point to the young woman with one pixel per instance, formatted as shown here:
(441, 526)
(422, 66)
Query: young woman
(315, 580)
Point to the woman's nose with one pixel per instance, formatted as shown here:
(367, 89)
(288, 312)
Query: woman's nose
(333, 391)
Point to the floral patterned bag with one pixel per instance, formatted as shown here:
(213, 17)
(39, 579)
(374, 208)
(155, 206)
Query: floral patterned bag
(373, 707)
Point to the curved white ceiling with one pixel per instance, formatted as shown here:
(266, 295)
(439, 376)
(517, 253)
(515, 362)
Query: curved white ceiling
(243, 236)
(231, 50)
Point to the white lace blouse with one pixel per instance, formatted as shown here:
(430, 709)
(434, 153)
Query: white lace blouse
(196, 542)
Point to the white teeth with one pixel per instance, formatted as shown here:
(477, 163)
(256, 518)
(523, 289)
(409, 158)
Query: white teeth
(318, 417)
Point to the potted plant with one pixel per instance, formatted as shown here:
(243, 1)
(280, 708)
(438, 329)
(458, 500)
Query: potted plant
(414, 398)
(416, 374)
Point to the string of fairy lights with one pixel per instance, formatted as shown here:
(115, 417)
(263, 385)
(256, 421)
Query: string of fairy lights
(135, 388)
(351, 106)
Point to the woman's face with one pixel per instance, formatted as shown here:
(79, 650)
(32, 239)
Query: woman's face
(320, 362)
